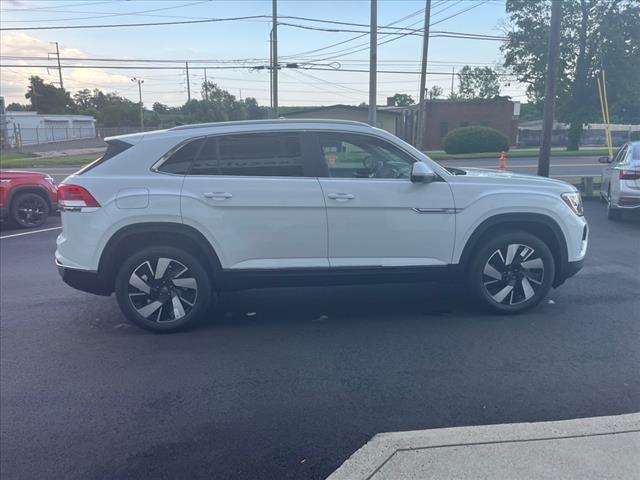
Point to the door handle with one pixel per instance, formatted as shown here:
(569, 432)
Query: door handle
(341, 196)
(217, 195)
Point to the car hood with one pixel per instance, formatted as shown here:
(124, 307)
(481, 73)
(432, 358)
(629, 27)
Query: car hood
(507, 175)
(21, 173)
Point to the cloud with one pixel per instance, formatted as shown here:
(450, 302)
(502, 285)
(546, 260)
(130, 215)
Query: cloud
(14, 80)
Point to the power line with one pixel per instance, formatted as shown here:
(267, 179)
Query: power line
(113, 14)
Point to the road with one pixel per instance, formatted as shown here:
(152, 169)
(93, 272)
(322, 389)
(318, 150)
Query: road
(561, 167)
(272, 389)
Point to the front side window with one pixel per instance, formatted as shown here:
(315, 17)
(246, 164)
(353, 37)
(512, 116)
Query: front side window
(361, 156)
(257, 154)
(180, 160)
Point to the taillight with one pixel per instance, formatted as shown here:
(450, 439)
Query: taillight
(75, 196)
(629, 174)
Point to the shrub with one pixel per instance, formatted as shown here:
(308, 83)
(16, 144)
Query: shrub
(475, 139)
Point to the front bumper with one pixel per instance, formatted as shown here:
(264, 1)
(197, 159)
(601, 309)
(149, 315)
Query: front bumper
(84, 280)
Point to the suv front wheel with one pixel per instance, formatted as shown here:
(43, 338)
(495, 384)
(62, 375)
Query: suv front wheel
(163, 289)
(512, 272)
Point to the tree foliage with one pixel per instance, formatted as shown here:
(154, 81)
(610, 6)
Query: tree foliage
(113, 110)
(18, 107)
(595, 35)
(435, 92)
(478, 82)
(402, 100)
(47, 98)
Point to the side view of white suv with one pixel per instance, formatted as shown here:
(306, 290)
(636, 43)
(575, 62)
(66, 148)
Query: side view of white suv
(167, 219)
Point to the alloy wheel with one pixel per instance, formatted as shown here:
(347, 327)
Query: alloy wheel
(31, 211)
(164, 292)
(513, 274)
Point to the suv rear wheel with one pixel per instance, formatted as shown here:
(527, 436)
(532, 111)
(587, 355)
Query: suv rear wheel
(512, 272)
(163, 289)
(29, 210)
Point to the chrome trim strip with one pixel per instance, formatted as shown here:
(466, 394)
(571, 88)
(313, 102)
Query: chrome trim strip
(437, 210)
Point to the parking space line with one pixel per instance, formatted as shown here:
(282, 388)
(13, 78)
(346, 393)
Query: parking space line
(30, 233)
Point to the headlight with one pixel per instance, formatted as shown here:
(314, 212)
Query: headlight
(574, 202)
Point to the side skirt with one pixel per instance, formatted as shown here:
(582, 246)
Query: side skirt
(262, 278)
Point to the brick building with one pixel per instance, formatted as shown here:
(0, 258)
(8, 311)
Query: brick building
(445, 115)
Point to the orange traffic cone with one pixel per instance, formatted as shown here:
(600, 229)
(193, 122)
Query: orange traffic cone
(503, 161)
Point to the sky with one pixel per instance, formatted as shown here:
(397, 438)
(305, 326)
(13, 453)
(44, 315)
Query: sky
(246, 41)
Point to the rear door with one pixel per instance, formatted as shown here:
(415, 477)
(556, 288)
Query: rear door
(248, 193)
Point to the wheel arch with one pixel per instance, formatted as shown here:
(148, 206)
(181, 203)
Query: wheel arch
(131, 238)
(15, 192)
(543, 226)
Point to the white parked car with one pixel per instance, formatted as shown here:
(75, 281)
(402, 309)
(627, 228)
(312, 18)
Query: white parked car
(621, 180)
(166, 219)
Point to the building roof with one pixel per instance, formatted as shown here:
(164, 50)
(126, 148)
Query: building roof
(339, 106)
(53, 116)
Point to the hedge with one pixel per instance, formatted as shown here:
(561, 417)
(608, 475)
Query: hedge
(475, 139)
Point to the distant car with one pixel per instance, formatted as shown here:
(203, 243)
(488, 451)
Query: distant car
(27, 198)
(621, 180)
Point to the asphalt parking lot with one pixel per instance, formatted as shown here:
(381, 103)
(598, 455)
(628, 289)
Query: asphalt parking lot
(288, 383)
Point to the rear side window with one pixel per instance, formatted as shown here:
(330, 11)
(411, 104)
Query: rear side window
(180, 160)
(258, 154)
(114, 147)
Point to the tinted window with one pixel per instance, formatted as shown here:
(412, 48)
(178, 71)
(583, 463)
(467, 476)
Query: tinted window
(180, 160)
(361, 156)
(207, 161)
(261, 155)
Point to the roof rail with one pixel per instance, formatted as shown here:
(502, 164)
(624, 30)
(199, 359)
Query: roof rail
(268, 122)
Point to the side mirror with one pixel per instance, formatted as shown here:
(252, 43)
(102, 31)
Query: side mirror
(605, 160)
(422, 173)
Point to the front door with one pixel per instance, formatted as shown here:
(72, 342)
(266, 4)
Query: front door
(376, 216)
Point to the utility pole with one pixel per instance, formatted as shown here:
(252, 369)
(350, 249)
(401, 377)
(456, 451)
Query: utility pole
(550, 89)
(186, 64)
(422, 123)
(274, 59)
(453, 72)
(57, 54)
(373, 62)
(140, 82)
(206, 86)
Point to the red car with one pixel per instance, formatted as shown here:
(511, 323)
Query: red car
(27, 198)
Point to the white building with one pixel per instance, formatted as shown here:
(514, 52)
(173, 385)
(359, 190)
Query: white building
(29, 128)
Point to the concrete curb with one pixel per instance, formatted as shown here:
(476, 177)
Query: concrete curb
(427, 451)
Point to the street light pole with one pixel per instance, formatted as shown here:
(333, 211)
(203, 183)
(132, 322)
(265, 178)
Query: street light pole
(140, 82)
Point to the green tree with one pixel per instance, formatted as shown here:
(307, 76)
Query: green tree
(47, 98)
(478, 82)
(18, 107)
(435, 92)
(160, 108)
(83, 98)
(595, 35)
(402, 100)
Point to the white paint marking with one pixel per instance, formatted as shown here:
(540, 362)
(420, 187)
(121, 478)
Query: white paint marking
(30, 233)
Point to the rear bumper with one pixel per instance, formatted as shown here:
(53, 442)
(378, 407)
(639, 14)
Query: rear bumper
(84, 280)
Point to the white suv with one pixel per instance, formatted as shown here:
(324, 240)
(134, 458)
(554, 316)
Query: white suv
(166, 219)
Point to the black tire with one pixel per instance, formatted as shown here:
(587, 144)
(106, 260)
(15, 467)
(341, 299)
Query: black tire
(529, 283)
(174, 290)
(29, 210)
